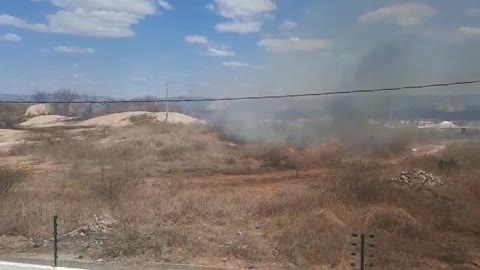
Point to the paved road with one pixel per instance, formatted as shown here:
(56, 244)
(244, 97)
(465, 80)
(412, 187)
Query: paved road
(23, 266)
(38, 264)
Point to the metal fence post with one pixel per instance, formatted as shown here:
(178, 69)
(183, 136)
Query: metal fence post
(55, 240)
(362, 245)
(362, 252)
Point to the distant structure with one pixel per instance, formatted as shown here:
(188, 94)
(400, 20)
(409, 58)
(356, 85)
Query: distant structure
(441, 125)
(38, 109)
(447, 124)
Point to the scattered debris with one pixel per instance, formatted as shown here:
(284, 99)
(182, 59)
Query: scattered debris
(417, 177)
(99, 224)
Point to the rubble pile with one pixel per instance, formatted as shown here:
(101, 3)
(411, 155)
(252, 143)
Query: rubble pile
(99, 224)
(417, 177)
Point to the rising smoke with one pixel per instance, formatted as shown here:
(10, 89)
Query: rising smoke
(309, 121)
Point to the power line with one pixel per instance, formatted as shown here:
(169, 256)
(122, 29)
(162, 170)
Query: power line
(358, 91)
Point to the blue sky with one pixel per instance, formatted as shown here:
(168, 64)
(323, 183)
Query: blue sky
(128, 48)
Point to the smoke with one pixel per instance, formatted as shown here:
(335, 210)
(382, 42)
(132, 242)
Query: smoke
(390, 63)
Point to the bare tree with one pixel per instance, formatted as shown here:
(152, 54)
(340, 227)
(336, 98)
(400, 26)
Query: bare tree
(146, 103)
(40, 96)
(87, 108)
(67, 96)
(107, 107)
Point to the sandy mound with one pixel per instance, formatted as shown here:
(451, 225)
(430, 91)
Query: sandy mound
(9, 137)
(110, 120)
(43, 121)
(122, 119)
(10, 133)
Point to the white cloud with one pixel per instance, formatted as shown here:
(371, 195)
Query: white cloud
(234, 64)
(240, 27)
(196, 39)
(103, 18)
(6, 19)
(246, 15)
(165, 4)
(210, 7)
(10, 37)
(67, 49)
(470, 31)
(405, 14)
(473, 12)
(295, 44)
(288, 25)
(245, 8)
(219, 52)
(211, 48)
(77, 75)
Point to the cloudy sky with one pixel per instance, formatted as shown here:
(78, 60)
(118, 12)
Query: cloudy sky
(127, 48)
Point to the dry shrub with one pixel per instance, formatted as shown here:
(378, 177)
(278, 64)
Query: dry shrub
(175, 186)
(112, 183)
(467, 155)
(143, 119)
(288, 202)
(11, 114)
(314, 239)
(11, 177)
(354, 185)
(244, 246)
(168, 244)
(392, 220)
(29, 211)
(447, 164)
(272, 156)
(276, 158)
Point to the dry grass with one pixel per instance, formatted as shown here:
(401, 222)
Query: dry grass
(142, 177)
(149, 150)
(11, 177)
(143, 120)
(11, 114)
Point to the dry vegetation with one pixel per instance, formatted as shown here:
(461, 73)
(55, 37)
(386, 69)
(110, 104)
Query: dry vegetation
(11, 114)
(178, 194)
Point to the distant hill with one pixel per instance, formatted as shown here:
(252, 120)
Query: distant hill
(15, 97)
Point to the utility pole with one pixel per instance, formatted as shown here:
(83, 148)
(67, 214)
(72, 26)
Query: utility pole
(391, 113)
(166, 101)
